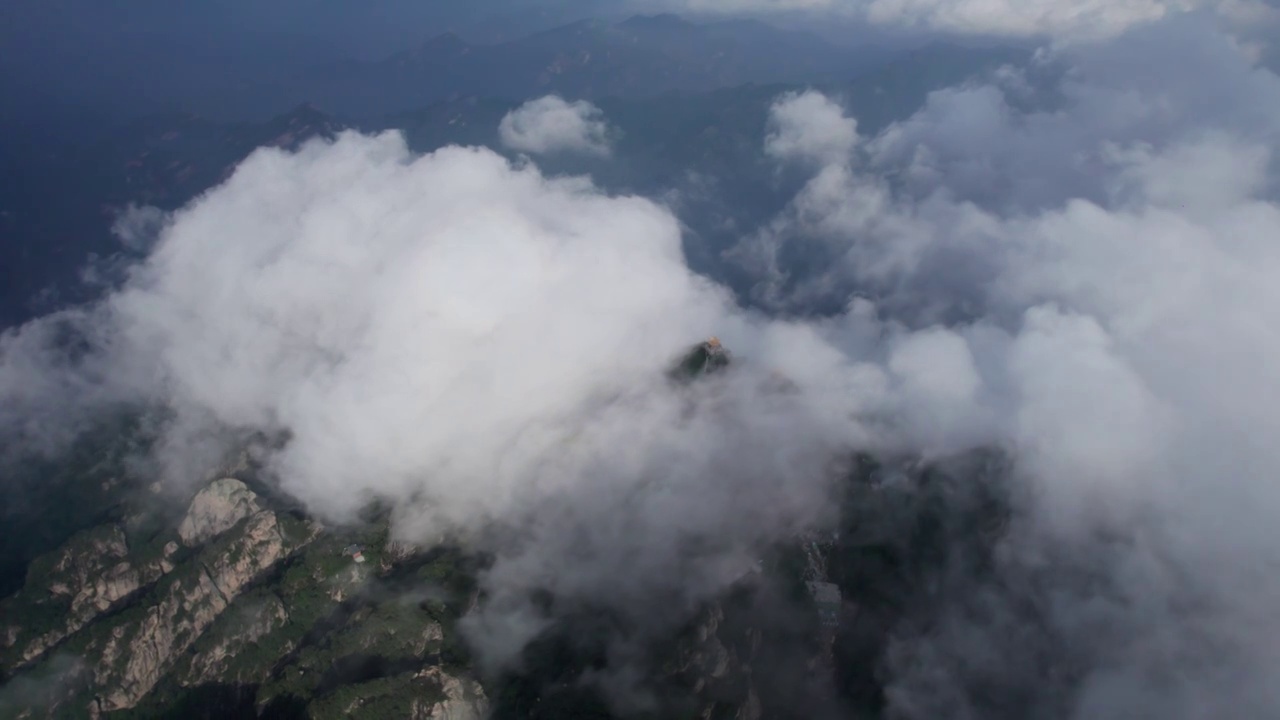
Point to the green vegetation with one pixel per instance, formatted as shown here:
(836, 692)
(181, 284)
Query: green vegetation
(353, 651)
(705, 358)
(50, 500)
(249, 632)
(390, 697)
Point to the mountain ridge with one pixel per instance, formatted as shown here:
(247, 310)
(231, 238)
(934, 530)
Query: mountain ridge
(641, 56)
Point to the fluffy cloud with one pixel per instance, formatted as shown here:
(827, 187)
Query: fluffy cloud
(552, 125)
(478, 345)
(391, 319)
(809, 127)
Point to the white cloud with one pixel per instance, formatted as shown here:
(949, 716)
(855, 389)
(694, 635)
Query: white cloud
(809, 127)
(1059, 19)
(389, 320)
(552, 125)
(1106, 271)
(1056, 18)
(476, 344)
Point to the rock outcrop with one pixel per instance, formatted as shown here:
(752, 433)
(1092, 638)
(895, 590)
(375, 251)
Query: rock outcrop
(69, 588)
(427, 694)
(216, 509)
(398, 551)
(464, 699)
(214, 662)
(136, 650)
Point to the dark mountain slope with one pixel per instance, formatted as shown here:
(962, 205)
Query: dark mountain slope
(640, 57)
(701, 151)
(62, 194)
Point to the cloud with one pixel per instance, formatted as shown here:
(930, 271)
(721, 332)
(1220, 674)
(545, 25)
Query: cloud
(970, 160)
(1071, 20)
(44, 688)
(478, 345)
(1103, 270)
(1075, 18)
(551, 125)
(809, 127)
(1253, 23)
(408, 348)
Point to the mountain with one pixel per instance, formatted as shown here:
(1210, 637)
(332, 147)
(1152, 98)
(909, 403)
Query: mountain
(144, 616)
(63, 190)
(63, 185)
(643, 56)
(124, 74)
(239, 605)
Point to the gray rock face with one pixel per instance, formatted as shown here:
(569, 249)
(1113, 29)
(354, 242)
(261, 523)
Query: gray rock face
(397, 551)
(139, 648)
(464, 699)
(427, 694)
(80, 581)
(216, 509)
(189, 608)
(213, 663)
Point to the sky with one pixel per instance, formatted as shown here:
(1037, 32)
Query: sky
(1085, 283)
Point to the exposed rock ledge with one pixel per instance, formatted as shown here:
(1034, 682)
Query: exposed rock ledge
(464, 699)
(216, 509)
(138, 648)
(214, 663)
(83, 579)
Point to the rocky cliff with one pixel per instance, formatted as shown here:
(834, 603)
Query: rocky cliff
(239, 608)
(236, 594)
(90, 575)
(240, 595)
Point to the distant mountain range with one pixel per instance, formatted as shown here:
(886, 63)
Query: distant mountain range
(691, 102)
(644, 56)
(60, 195)
(120, 75)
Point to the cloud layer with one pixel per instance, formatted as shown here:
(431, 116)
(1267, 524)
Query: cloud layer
(552, 125)
(1103, 271)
